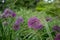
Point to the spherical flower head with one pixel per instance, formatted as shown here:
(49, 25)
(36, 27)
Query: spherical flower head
(16, 27)
(57, 37)
(19, 20)
(17, 23)
(34, 23)
(13, 15)
(37, 26)
(7, 13)
(56, 28)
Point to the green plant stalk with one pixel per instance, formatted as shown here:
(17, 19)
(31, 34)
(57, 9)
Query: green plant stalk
(48, 31)
(2, 30)
(47, 28)
(10, 30)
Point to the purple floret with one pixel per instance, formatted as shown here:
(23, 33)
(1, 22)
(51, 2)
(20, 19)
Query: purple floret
(8, 13)
(57, 37)
(16, 27)
(17, 23)
(19, 20)
(56, 28)
(34, 23)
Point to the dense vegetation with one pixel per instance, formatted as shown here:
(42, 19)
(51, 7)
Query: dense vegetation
(29, 20)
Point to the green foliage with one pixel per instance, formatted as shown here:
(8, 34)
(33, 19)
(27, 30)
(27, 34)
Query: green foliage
(30, 34)
(43, 6)
(50, 8)
(7, 4)
(13, 4)
(26, 3)
(43, 10)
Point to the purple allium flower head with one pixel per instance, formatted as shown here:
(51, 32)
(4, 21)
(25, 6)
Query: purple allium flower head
(34, 23)
(48, 18)
(8, 12)
(13, 15)
(57, 36)
(19, 20)
(56, 28)
(5, 15)
(16, 27)
(17, 23)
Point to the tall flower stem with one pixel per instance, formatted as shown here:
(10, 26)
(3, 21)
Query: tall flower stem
(47, 27)
(2, 31)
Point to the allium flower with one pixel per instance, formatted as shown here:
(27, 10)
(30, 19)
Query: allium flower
(56, 28)
(13, 15)
(48, 19)
(34, 23)
(57, 37)
(19, 20)
(16, 27)
(8, 12)
(17, 23)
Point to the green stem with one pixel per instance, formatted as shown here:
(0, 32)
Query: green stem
(48, 31)
(47, 28)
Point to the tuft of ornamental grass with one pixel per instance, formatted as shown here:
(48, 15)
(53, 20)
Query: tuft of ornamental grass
(26, 33)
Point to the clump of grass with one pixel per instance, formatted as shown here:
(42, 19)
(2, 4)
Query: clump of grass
(26, 33)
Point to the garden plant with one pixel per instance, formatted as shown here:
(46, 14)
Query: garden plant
(29, 19)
